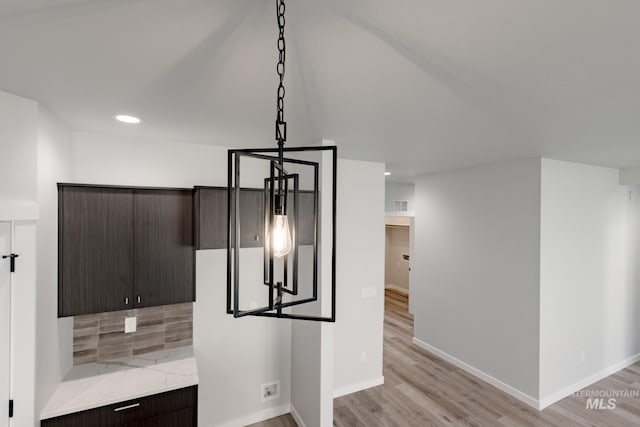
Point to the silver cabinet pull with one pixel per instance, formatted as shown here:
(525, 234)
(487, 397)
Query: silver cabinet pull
(124, 408)
(139, 299)
(126, 300)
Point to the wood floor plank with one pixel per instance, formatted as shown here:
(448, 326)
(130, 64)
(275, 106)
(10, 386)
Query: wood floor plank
(422, 390)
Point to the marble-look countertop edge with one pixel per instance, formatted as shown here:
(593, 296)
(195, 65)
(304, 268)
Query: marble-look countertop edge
(122, 398)
(102, 384)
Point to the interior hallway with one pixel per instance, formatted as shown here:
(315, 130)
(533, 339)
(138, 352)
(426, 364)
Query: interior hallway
(423, 390)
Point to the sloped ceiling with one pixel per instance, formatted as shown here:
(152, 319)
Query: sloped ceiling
(420, 84)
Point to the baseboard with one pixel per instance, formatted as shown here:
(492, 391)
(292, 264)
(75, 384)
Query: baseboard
(586, 382)
(397, 289)
(256, 417)
(353, 388)
(296, 416)
(523, 397)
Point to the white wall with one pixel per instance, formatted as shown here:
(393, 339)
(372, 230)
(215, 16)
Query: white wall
(312, 343)
(360, 265)
(588, 283)
(235, 356)
(399, 191)
(630, 176)
(18, 150)
(475, 286)
(54, 338)
(18, 194)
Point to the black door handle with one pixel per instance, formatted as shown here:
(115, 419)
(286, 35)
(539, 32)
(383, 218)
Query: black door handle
(12, 261)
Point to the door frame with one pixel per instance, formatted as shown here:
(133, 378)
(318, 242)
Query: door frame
(7, 359)
(410, 222)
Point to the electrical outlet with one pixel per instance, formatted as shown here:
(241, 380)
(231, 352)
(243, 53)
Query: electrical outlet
(130, 325)
(270, 391)
(583, 356)
(369, 292)
(363, 356)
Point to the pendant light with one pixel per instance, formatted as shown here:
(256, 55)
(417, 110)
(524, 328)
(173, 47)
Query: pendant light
(296, 182)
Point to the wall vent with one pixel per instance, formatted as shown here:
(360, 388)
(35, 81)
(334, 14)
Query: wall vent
(400, 205)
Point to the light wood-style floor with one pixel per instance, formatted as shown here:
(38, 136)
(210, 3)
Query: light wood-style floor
(423, 390)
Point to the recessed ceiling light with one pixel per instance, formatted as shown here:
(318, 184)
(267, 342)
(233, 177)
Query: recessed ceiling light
(128, 119)
(387, 173)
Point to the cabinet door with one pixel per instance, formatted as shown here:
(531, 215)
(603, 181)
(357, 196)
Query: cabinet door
(211, 204)
(95, 250)
(305, 220)
(182, 418)
(211, 211)
(160, 410)
(251, 218)
(163, 247)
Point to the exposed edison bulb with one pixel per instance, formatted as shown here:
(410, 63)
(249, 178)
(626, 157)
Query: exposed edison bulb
(280, 236)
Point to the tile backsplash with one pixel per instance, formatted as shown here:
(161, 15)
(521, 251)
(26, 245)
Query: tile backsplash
(101, 337)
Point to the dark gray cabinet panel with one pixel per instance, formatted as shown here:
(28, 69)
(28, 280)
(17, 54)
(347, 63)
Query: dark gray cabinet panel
(176, 408)
(211, 217)
(305, 219)
(121, 248)
(163, 247)
(96, 250)
(251, 218)
(182, 418)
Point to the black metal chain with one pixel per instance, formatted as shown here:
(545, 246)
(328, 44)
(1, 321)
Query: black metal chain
(281, 125)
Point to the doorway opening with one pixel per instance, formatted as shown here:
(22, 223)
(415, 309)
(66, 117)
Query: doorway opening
(398, 249)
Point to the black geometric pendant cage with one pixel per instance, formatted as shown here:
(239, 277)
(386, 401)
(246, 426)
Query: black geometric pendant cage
(287, 276)
(290, 284)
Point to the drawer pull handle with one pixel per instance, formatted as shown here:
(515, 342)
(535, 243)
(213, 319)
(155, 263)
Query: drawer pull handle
(124, 408)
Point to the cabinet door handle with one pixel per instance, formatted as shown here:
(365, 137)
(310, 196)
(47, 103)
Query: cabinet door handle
(124, 408)
(126, 300)
(139, 299)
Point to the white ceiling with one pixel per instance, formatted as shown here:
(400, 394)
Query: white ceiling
(422, 85)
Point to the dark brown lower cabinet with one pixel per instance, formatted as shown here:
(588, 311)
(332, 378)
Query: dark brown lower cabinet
(177, 408)
(185, 417)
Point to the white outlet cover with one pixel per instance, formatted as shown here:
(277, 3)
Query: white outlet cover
(270, 391)
(369, 292)
(130, 325)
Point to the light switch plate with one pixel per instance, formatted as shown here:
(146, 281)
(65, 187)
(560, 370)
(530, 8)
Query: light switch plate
(369, 292)
(130, 325)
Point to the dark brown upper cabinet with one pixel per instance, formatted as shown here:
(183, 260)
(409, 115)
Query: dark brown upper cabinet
(95, 249)
(123, 248)
(163, 247)
(211, 217)
(305, 218)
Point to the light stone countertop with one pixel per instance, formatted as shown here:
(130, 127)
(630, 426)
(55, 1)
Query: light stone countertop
(98, 384)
